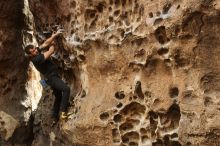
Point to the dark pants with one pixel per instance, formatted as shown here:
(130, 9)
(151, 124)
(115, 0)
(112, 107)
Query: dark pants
(61, 92)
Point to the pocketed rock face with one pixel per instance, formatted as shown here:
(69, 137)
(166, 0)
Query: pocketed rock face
(143, 73)
(147, 72)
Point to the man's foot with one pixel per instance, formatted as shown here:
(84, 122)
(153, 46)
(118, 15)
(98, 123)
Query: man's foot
(63, 116)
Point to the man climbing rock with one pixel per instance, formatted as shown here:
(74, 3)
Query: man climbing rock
(46, 67)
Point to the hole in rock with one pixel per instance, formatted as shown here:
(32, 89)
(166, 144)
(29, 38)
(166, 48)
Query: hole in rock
(166, 8)
(138, 89)
(178, 7)
(116, 140)
(73, 4)
(158, 13)
(119, 23)
(139, 53)
(133, 108)
(116, 136)
(122, 33)
(120, 95)
(68, 18)
(143, 131)
(151, 15)
(135, 97)
(160, 35)
(125, 139)
(148, 93)
(153, 114)
(131, 137)
(117, 118)
(129, 124)
(2, 123)
(144, 139)
(167, 61)
(133, 144)
(119, 105)
(157, 21)
(166, 140)
(89, 14)
(151, 64)
(116, 13)
(164, 119)
(159, 142)
(153, 125)
(117, 2)
(110, 2)
(128, 30)
(123, 2)
(100, 7)
(179, 58)
(174, 115)
(104, 116)
(110, 19)
(162, 51)
(127, 22)
(82, 57)
(174, 92)
(93, 24)
(138, 19)
(188, 144)
(141, 11)
(124, 15)
(136, 8)
(126, 126)
(175, 143)
(139, 41)
(174, 135)
(115, 133)
(112, 123)
(110, 9)
(207, 101)
(83, 94)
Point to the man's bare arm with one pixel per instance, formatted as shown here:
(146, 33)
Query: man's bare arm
(48, 53)
(50, 40)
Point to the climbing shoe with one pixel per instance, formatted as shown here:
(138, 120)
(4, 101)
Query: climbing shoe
(63, 115)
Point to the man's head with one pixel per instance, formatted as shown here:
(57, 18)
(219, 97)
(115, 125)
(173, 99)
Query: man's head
(31, 50)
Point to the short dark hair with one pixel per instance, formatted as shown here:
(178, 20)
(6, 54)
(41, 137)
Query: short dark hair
(28, 47)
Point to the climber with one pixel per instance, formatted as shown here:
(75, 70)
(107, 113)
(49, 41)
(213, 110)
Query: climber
(46, 67)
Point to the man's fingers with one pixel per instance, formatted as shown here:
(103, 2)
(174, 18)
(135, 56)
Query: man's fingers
(60, 31)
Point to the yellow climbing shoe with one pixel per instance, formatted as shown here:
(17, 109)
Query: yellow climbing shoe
(63, 115)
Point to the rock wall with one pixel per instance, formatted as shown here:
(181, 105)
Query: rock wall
(15, 105)
(141, 72)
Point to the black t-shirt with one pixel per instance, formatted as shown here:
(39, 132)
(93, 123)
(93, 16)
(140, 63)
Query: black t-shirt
(44, 66)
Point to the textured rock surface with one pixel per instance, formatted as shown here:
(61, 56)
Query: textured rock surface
(7, 125)
(142, 72)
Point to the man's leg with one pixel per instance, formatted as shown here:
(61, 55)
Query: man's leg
(57, 101)
(58, 84)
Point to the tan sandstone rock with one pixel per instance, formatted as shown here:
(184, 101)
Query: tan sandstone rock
(141, 72)
(7, 125)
